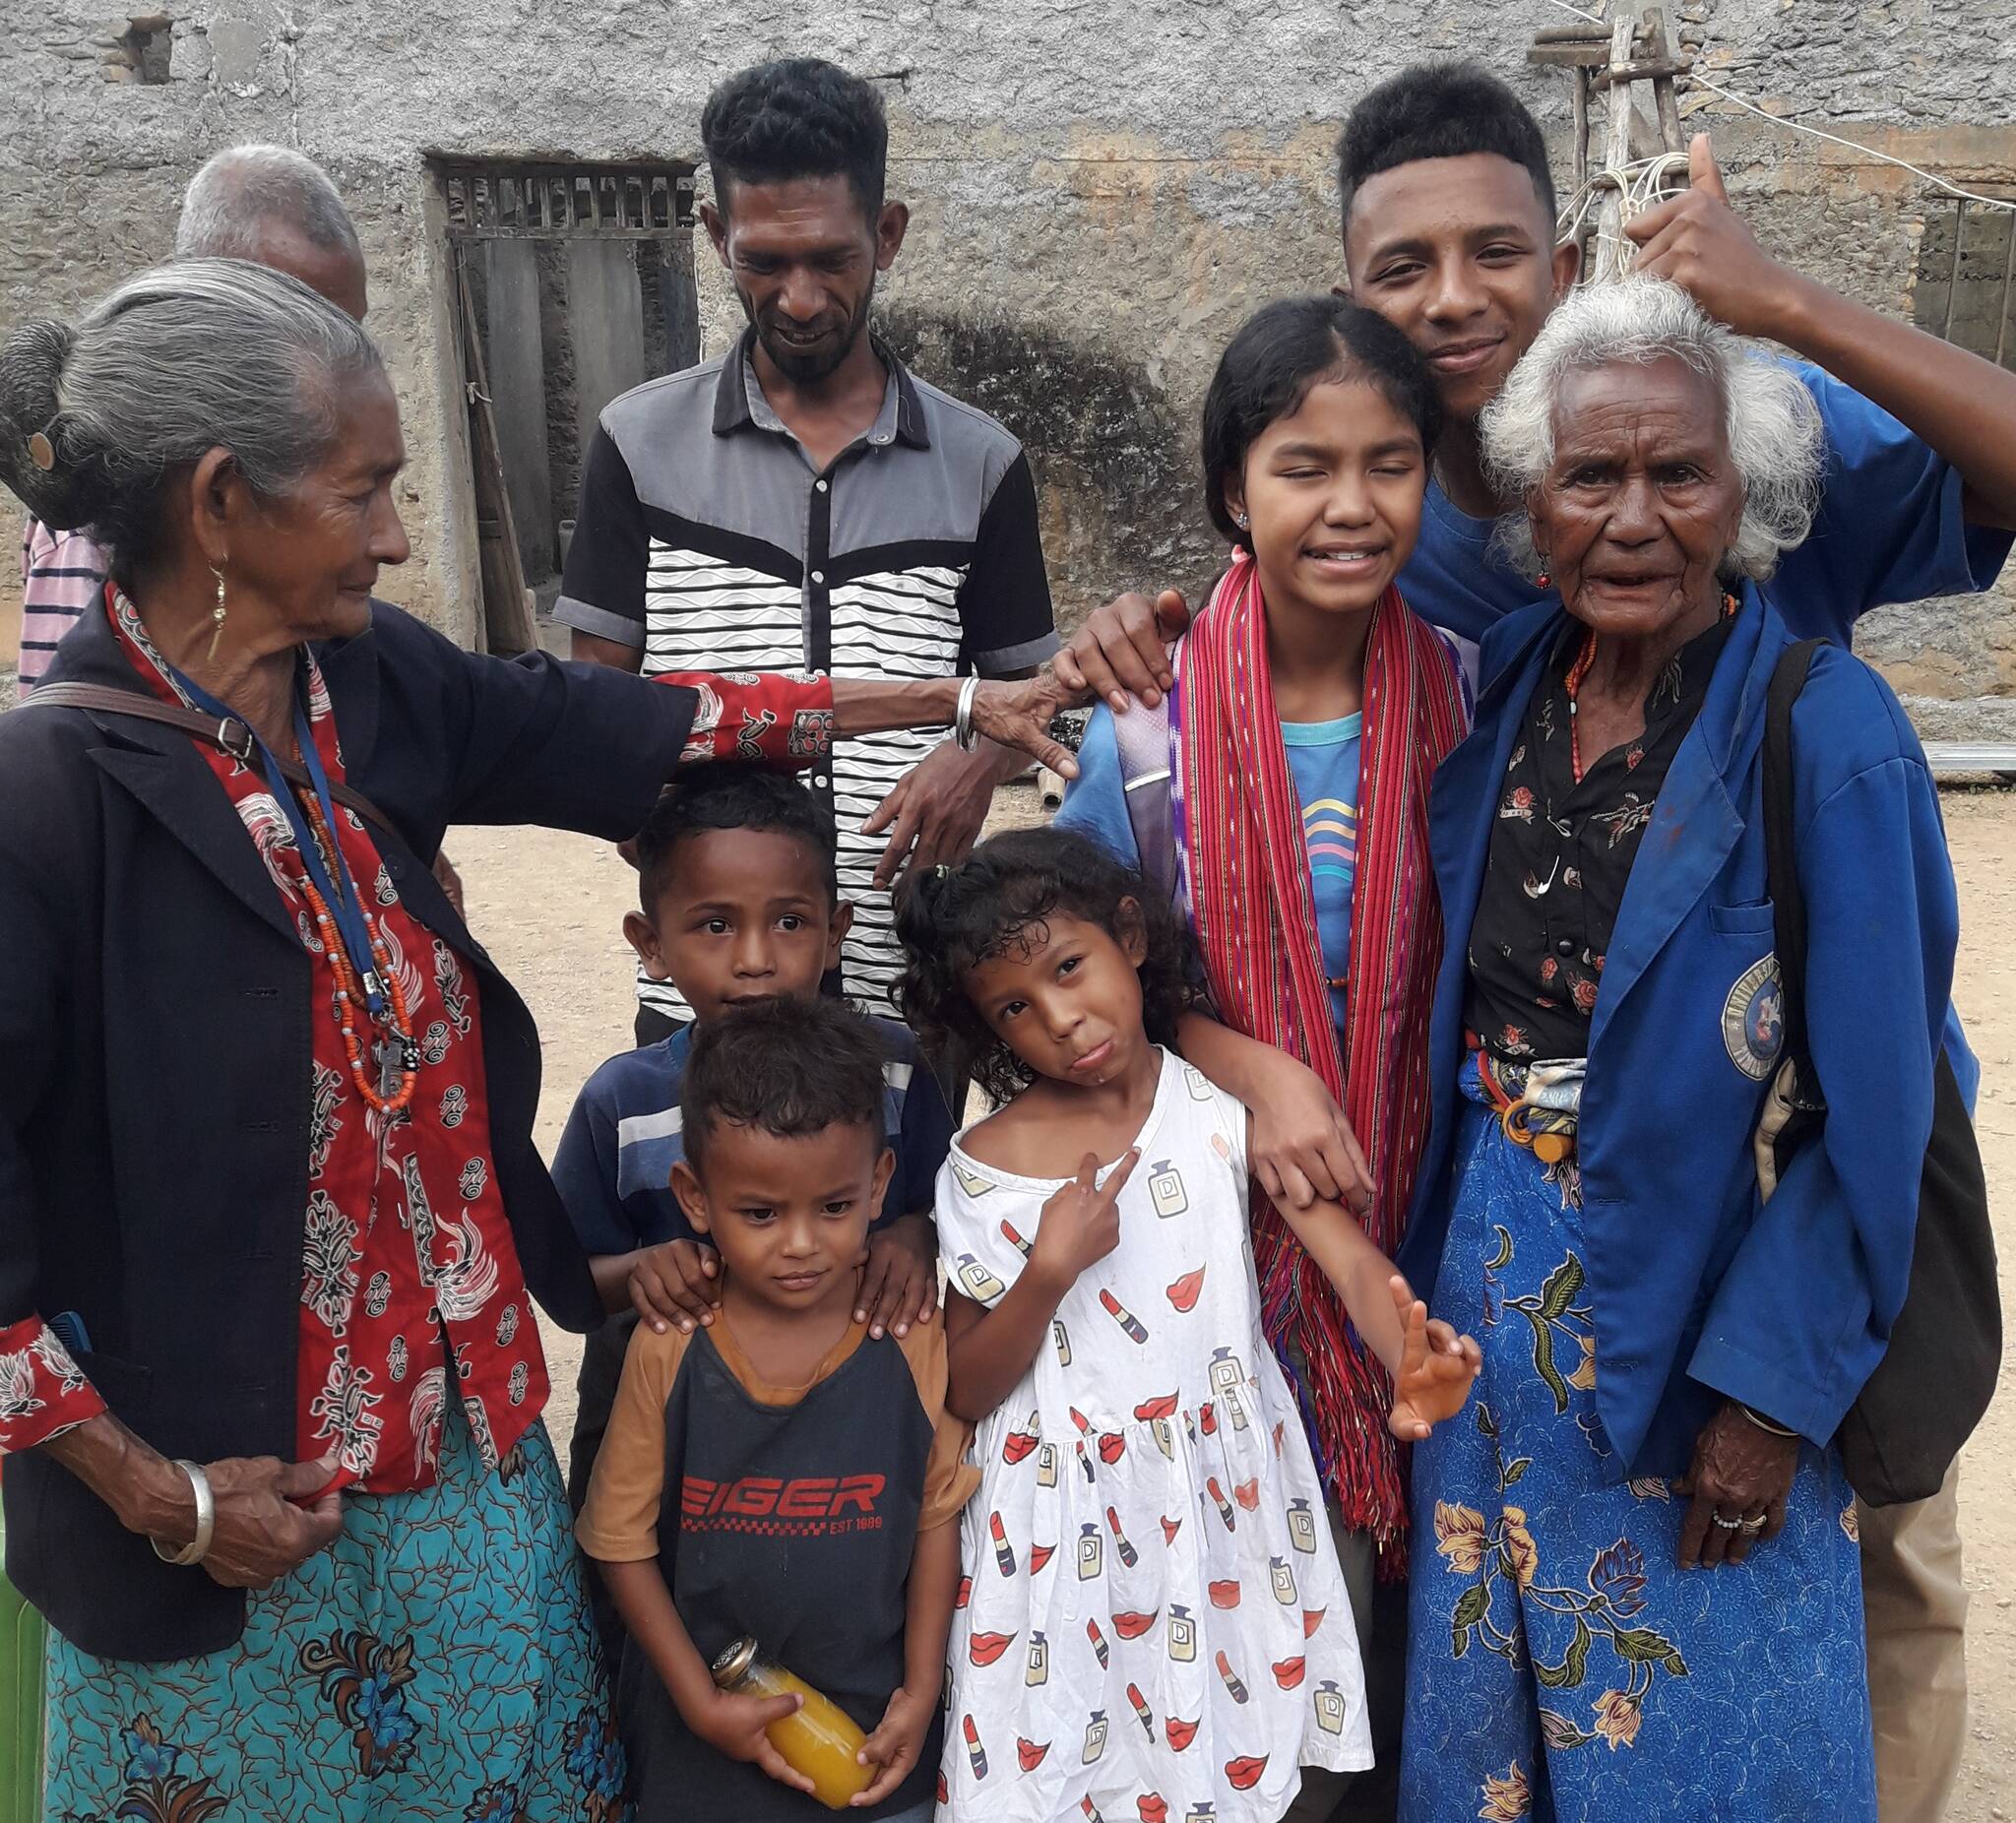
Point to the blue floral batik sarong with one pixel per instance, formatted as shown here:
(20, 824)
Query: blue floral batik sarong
(1560, 1664)
(435, 1664)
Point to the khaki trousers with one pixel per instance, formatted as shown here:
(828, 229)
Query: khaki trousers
(1915, 1610)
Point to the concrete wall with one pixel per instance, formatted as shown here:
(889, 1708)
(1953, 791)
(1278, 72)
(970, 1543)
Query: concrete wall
(1100, 191)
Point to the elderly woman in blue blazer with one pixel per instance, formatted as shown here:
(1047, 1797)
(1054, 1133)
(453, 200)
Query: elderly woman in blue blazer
(271, 1220)
(1635, 1589)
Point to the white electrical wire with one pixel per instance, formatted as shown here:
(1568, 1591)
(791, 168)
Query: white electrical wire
(1800, 126)
(1641, 185)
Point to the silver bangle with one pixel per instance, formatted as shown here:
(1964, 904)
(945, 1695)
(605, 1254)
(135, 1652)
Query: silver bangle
(198, 1548)
(961, 716)
(1764, 1423)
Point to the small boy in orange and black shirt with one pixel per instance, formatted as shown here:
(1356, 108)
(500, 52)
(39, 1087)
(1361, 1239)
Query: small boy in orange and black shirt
(781, 1474)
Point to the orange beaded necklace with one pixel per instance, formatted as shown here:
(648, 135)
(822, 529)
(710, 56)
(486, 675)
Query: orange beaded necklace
(1577, 671)
(394, 1089)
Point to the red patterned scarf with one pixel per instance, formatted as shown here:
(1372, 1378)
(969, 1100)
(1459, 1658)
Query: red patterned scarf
(1253, 906)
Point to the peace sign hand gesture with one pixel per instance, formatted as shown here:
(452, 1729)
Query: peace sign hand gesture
(1081, 1223)
(1436, 1369)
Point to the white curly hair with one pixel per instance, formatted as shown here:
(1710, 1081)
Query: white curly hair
(1775, 435)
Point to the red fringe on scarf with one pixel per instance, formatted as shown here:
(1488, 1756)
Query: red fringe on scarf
(1254, 907)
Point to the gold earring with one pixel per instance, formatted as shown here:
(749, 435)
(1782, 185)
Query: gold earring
(217, 616)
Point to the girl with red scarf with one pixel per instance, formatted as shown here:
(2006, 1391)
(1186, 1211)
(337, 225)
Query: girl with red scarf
(1310, 710)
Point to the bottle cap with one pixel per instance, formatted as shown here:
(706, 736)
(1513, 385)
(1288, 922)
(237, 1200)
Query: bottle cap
(732, 1665)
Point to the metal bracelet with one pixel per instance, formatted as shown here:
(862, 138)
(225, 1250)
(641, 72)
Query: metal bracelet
(197, 1546)
(961, 716)
(1764, 1423)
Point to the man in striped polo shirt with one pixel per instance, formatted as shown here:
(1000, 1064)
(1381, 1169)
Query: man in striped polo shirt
(804, 502)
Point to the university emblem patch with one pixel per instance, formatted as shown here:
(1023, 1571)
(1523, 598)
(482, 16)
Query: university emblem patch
(1753, 1019)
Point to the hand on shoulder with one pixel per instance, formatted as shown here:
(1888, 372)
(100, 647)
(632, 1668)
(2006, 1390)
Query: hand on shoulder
(1122, 650)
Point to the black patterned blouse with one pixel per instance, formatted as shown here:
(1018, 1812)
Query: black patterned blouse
(1561, 854)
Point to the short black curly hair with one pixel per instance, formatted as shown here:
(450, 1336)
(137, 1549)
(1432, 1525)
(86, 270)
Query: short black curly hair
(796, 117)
(1281, 350)
(1439, 110)
(792, 1068)
(955, 921)
(732, 794)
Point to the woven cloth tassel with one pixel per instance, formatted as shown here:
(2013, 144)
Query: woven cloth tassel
(1253, 904)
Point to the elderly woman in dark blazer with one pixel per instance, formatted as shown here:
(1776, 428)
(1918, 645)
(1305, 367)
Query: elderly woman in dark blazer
(271, 1220)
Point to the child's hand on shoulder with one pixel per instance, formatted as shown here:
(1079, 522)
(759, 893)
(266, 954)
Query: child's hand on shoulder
(1436, 1369)
(901, 1285)
(1081, 1223)
(735, 1725)
(898, 1739)
(677, 1282)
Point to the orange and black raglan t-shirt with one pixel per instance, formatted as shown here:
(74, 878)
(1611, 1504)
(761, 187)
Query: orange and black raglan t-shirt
(788, 1513)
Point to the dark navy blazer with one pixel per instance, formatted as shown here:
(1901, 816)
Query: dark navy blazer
(1700, 1291)
(155, 1056)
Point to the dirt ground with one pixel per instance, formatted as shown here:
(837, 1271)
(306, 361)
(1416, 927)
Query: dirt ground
(550, 909)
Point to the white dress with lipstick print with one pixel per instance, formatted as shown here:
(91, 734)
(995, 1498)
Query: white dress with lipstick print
(1152, 1623)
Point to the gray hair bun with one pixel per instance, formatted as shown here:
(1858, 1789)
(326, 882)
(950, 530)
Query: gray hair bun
(32, 361)
(193, 356)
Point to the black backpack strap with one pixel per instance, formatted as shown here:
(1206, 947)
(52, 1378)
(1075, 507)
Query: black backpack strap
(1780, 859)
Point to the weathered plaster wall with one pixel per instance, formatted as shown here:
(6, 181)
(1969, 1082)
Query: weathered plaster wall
(1100, 191)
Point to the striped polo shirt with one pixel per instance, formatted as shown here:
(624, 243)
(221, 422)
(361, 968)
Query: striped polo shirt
(707, 537)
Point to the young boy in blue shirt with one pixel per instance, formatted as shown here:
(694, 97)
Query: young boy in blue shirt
(738, 904)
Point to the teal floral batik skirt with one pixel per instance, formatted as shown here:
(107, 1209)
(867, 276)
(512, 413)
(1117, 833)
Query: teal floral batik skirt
(435, 1664)
(1560, 1664)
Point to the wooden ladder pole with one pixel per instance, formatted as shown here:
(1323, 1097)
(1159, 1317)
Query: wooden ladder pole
(1609, 218)
(1664, 99)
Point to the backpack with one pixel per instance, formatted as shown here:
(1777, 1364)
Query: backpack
(1934, 1381)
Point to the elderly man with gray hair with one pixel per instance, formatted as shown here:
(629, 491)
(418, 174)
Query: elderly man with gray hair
(260, 202)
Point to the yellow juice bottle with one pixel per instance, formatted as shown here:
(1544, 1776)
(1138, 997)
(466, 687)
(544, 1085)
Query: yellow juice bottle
(820, 1740)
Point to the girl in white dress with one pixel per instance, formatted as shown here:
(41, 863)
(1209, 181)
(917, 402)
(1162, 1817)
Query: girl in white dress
(1152, 1623)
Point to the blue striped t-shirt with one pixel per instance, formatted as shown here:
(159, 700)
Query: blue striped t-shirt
(614, 1164)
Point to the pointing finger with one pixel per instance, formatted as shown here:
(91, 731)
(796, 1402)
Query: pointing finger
(902, 838)
(1122, 1172)
(884, 813)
